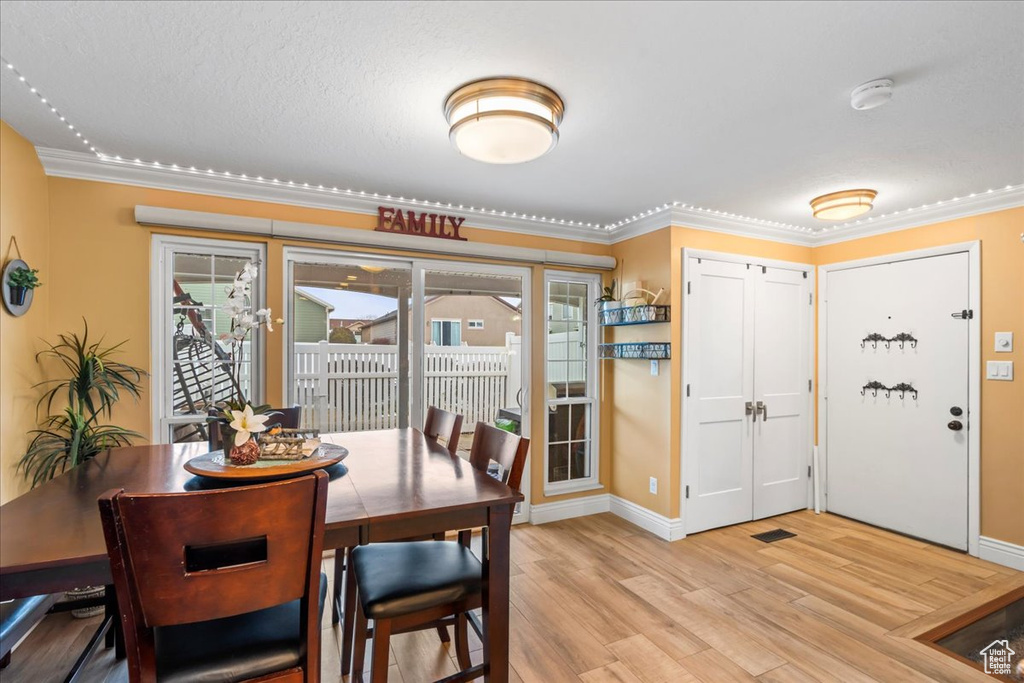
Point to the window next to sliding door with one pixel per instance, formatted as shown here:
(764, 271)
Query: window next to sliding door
(191, 367)
(570, 366)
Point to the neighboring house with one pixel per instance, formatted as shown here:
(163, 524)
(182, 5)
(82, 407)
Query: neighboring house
(310, 317)
(455, 320)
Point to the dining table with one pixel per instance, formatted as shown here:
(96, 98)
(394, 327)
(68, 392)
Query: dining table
(394, 484)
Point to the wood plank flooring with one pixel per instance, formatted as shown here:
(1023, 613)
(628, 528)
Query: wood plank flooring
(597, 600)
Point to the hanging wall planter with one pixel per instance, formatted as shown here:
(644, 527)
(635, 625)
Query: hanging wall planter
(19, 283)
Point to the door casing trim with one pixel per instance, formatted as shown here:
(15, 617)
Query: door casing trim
(973, 250)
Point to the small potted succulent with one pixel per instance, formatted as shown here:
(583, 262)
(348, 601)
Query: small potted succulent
(20, 281)
(606, 302)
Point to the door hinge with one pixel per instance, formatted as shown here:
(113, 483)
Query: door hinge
(810, 385)
(687, 490)
(965, 314)
(810, 299)
(764, 269)
(805, 274)
(687, 287)
(687, 390)
(808, 471)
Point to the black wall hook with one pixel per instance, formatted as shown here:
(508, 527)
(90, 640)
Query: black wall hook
(874, 338)
(904, 337)
(903, 388)
(874, 386)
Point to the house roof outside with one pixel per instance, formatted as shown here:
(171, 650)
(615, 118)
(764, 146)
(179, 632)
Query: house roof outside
(306, 295)
(391, 316)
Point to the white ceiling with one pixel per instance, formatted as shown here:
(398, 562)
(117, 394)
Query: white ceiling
(737, 106)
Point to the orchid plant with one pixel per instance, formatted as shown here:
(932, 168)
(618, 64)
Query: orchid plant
(239, 419)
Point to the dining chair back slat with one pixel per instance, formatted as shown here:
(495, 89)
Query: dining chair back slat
(505, 448)
(441, 424)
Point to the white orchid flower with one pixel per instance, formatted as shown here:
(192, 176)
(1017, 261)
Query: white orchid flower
(246, 423)
(265, 314)
(248, 272)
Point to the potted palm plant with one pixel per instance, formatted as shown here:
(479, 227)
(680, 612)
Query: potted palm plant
(20, 281)
(93, 383)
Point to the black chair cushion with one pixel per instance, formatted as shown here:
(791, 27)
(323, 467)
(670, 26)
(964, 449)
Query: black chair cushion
(395, 579)
(234, 648)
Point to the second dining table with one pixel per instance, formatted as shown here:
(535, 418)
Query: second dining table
(394, 484)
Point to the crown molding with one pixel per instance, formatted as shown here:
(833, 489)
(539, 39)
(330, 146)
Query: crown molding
(1009, 197)
(84, 166)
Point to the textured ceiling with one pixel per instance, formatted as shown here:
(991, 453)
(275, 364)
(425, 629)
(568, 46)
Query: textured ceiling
(741, 107)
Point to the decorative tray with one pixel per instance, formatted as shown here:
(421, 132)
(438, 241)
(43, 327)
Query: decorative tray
(216, 466)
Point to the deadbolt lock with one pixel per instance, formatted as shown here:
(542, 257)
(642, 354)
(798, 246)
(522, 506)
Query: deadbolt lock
(956, 411)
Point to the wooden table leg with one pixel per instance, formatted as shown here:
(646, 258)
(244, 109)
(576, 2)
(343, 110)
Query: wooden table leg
(496, 594)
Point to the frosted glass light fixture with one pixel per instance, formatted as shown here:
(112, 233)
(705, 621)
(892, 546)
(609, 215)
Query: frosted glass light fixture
(842, 206)
(504, 120)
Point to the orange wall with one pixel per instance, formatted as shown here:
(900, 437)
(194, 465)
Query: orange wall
(23, 215)
(1002, 310)
(99, 266)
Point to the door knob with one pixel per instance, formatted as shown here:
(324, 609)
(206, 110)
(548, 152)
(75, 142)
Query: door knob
(749, 406)
(762, 408)
(956, 411)
(955, 425)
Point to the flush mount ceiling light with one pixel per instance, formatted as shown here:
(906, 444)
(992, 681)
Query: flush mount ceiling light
(504, 120)
(871, 94)
(841, 206)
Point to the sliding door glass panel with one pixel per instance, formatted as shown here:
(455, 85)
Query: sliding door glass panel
(349, 332)
(474, 370)
(570, 366)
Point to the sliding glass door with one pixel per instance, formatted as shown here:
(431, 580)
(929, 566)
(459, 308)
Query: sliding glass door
(373, 341)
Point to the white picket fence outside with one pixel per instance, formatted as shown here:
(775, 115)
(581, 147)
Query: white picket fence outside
(354, 387)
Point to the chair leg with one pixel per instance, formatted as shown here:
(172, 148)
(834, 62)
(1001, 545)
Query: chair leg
(348, 619)
(381, 649)
(462, 641)
(340, 557)
(442, 633)
(358, 646)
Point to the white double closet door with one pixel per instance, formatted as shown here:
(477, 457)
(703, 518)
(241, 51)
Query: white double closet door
(747, 400)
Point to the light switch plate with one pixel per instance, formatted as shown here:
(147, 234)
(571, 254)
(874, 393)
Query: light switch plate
(654, 485)
(1004, 342)
(999, 370)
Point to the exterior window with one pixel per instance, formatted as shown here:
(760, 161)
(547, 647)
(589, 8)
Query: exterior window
(571, 375)
(446, 332)
(476, 324)
(195, 370)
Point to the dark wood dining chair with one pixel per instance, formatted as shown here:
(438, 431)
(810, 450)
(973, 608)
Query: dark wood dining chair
(441, 424)
(220, 585)
(288, 418)
(414, 585)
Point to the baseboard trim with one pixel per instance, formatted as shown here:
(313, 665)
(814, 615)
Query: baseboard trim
(567, 509)
(658, 524)
(1001, 552)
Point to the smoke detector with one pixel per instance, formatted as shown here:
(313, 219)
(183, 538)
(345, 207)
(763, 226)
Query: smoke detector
(871, 94)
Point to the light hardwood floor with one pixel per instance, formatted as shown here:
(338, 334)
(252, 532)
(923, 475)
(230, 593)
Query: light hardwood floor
(597, 600)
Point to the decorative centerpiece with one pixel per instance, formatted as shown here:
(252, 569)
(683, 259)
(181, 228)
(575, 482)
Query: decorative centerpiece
(288, 444)
(239, 421)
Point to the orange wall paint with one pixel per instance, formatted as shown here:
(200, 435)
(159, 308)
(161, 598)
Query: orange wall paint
(1002, 309)
(100, 264)
(23, 215)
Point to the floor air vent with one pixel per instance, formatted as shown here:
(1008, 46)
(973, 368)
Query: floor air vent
(773, 535)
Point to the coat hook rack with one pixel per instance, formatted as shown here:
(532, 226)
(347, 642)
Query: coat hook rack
(874, 386)
(902, 338)
(874, 338)
(903, 388)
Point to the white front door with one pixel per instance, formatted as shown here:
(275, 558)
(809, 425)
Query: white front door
(746, 432)
(893, 459)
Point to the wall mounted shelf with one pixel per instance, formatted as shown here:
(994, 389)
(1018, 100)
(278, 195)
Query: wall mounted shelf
(634, 315)
(635, 350)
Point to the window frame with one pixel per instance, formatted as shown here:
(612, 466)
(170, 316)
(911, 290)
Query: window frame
(592, 390)
(441, 322)
(163, 249)
(475, 324)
